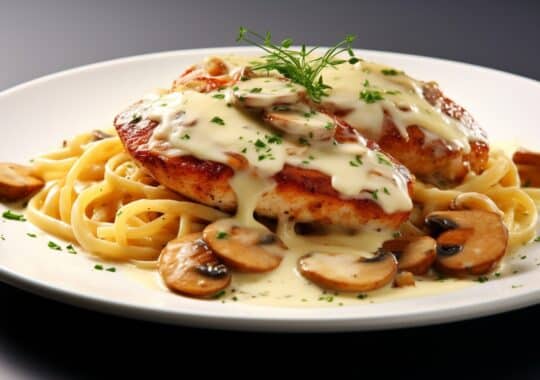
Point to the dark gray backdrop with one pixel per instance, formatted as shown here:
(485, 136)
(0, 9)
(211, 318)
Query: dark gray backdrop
(45, 339)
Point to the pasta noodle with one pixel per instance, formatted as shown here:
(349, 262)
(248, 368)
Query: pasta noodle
(99, 198)
(497, 189)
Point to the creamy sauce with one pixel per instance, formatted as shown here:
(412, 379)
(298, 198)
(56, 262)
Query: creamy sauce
(221, 126)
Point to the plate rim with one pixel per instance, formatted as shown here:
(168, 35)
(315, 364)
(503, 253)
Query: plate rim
(260, 322)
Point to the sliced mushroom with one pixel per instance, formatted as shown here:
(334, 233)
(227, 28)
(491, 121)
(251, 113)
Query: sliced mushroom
(17, 182)
(188, 266)
(266, 92)
(313, 124)
(404, 279)
(245, 249)
(474, 244)
(528, 164)
(415, 255)
(348, 272)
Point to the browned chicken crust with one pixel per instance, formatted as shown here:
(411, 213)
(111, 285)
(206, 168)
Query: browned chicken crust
(302, 194)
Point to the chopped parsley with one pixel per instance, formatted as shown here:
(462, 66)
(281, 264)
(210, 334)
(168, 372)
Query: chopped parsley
(10, 215)
(219, 96)
(386, 191)
(382, 159)
(260, 144)
(537, 239)
(219, 294)
(111, 269)
(274, 139)
(361, 296)
(390, 72)
(371, 96)
(52, 245)
(31, 235)
(221, 235)
(71, 249)
(255, 90)
(186, 137)
(217, 120)
(98, 267)
(136, 118)
(374, 194)
(2, 237)
(328, 126)
(482, 279)
(244, 150)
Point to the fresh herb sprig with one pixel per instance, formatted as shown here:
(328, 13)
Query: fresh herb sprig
(300, 66)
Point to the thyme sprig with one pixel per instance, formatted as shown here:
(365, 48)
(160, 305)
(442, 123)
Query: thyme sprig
(300, 66)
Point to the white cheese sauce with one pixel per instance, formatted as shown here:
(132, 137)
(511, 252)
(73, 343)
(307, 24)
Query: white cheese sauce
(220, 125)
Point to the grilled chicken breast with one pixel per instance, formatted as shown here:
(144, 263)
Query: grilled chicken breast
(302, 194)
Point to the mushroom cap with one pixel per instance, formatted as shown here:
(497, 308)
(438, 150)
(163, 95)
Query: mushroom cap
(265, 92)
(415, 255)
(245, 249)
(313, 124)
(17, 182)
(476, 244)
(347, 272)
(188, 266)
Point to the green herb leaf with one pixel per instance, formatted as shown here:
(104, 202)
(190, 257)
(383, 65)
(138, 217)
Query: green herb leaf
(217, 120)
(255, 90)
(10, 215)
(71, 249)
(31, 235)
(371, 96)
(221, 235)
(98, 267)
(219, 96)
(390, 72)
(300, 66)
(111, 269)
(52, 245)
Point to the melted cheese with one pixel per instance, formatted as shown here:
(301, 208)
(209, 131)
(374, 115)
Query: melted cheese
(210, 128)
(219, 126)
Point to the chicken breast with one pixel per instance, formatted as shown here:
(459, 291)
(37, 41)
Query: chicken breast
(305, 195)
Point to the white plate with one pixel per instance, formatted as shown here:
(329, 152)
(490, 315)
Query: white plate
(37, 115)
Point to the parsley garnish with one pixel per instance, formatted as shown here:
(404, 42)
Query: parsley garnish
(298, 65)
(260, 144)
(374, 194)
(71, 249)
(185, 137)
(482, 279)
(221, 235)
(98, 267)
(219, 96)
(383, 160)
(390, 72)
(31, 235)
(386, 191)
(255, 90)
(10, 215)
(217, 120)
(361, 296)
(371, 96)
(111, 269)
(54, 246)
(136, 119)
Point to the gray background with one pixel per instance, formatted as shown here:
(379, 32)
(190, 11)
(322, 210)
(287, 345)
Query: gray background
(45, 339)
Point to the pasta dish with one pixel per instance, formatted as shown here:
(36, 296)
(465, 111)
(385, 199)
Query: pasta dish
(327, 170)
